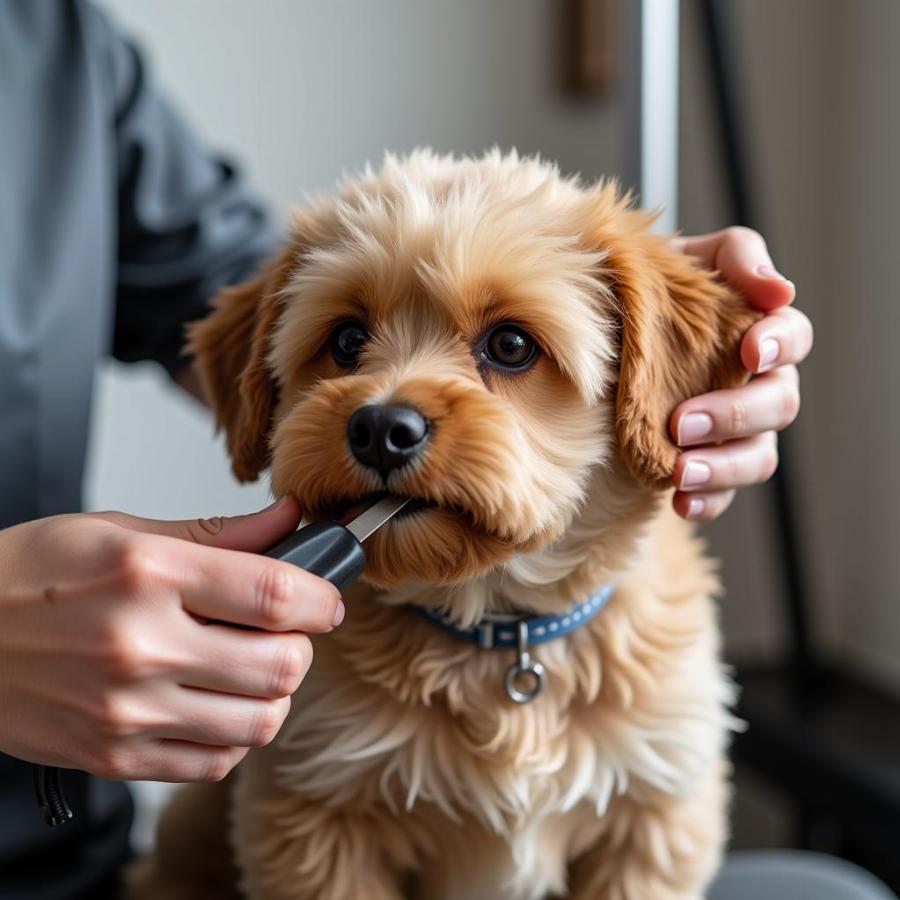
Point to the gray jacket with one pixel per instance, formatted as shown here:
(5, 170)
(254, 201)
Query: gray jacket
(116, 227)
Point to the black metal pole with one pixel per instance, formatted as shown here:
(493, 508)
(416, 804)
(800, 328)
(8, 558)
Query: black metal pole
(735, 144)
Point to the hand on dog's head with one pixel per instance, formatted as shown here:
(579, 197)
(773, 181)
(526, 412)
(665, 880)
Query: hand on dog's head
(527, 329)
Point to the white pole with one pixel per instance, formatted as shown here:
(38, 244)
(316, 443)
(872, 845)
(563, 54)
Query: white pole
(658, 117)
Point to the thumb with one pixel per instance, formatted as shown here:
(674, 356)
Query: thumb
(254, 532)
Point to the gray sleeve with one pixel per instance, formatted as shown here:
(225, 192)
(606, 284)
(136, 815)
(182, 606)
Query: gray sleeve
(187, 223)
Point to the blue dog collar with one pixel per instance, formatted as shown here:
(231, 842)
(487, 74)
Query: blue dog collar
(496, 631)
(500, 631)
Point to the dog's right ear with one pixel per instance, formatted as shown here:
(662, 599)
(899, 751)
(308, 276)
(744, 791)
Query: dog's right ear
(231, 347)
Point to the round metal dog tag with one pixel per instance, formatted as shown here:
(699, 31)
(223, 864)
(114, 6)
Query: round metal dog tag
(523, 668)
(519, 671)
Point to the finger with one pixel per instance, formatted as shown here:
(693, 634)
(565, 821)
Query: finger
(181, 762)
(222, 720)
(768, 402)
(742, 258)
(734, 464)
(246, 589)
(254, 532)
(784, 336)
(702, 507)
(170, 760)
(252, 664)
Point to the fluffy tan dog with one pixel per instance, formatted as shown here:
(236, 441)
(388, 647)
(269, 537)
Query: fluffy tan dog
(517, 343)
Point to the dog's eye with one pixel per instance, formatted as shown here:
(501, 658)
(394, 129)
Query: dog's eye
(347, 342)
(509, 347)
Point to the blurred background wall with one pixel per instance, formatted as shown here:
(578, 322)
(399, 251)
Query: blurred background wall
(824, 130)
(301, 91)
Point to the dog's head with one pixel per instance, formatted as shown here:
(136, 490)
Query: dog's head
(478, 334)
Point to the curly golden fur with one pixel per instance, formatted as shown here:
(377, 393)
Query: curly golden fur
(403, 769)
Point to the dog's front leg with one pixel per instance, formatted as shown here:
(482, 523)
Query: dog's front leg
(659, 848)
(291, 848)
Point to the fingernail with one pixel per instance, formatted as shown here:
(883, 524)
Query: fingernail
(694, 426)
(339, 613)
(770, 272)
(695, 473)
(768, 353)
(695, 508)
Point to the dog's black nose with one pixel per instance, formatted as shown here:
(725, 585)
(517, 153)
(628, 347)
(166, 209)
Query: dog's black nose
(386, 437)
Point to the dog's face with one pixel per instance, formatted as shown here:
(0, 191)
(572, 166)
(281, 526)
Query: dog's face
(476, 334)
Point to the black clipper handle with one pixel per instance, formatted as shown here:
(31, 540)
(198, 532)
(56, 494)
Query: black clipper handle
(326, 549)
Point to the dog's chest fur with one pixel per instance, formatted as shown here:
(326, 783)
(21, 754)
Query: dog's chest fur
(400, 720)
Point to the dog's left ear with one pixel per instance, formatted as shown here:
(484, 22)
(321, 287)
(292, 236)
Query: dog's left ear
(681, 335)
(231, 347)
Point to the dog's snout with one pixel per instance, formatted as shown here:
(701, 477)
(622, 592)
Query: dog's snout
(386, 437)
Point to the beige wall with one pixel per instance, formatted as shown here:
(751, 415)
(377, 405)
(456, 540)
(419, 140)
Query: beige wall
(865, 317)
(302, 90)
(823, 124)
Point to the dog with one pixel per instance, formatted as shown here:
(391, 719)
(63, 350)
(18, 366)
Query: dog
(526, 699)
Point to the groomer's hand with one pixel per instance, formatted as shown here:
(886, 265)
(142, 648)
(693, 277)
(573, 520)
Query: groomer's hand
(113, 658)
(731, 435)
